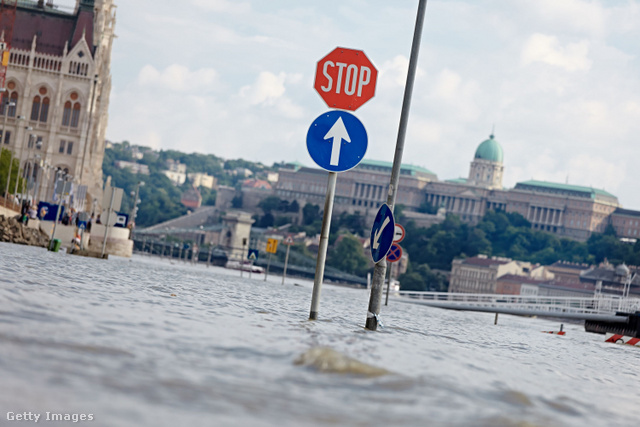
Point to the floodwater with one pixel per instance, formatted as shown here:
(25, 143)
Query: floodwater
(147, 342)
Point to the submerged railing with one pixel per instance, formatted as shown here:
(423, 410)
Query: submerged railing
(605, 305)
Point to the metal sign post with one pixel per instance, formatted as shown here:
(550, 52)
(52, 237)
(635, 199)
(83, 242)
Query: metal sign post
(244, 244)
(324, 242)
(55, 224)
(288, 242)
(379, 270)
(337, 141)
(395, 255)
(106, 225)
(272, 248)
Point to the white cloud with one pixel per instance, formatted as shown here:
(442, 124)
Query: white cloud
(177, 77)
(558, 78)
(574, 15)
(223, 6)
(266, 90)
(547, 49)
(595, 171)
(394, 71)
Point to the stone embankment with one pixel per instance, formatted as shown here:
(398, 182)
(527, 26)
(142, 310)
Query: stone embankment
(12, 231)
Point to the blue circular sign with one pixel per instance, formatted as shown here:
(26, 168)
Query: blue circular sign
(382, 233)
(337, 141)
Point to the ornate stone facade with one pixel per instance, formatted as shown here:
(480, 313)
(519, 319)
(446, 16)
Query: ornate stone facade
(59, 81)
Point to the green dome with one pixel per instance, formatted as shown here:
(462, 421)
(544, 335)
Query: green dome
(490, 150)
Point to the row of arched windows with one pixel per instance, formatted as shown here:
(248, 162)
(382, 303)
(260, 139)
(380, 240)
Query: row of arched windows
(9, 105)
(40, 108)
(71, 114)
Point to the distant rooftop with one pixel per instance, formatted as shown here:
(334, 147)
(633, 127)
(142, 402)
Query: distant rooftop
(405, 169)
(456, 180)
(570, 190)
(484, 261)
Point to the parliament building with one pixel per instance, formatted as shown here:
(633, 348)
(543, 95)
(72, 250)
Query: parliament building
(56, 99)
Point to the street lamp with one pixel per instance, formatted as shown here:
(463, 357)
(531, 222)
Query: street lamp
(134, 211)
(31, 164)
(41, 165)
(28, 128)
(7, 105)
(61, 178)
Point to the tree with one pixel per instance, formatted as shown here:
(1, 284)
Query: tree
(236, 202)
(270, 204)
(267, 220)
(427, 208)
(310, 213)
(348, 256)
(354, 223)
(477, 243)
(4, 171)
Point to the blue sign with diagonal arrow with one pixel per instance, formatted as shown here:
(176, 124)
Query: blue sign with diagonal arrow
(382, 233)
(337, 141)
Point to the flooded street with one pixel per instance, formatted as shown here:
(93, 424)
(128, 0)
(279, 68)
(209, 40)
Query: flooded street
(147, 342)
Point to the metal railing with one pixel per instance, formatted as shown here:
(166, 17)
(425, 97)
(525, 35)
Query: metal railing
(600, 305)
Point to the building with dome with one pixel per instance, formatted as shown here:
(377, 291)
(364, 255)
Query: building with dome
(58, 81)
(571, 211)
(487, 168)
(482, 191)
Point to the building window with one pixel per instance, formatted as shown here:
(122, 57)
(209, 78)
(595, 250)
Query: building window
(7, 137)
(63, 144)
(44, 110)
(75, 115)
(66, 114)
(14, 108)
(69, 147)
(35, 108)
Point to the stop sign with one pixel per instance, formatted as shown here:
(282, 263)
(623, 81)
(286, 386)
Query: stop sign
(346, 79)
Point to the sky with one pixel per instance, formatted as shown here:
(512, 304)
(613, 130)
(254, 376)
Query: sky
(559, 81)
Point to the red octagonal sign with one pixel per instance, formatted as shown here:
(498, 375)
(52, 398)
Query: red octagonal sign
(346, 79)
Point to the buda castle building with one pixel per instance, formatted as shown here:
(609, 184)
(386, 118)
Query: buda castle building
(570, 211)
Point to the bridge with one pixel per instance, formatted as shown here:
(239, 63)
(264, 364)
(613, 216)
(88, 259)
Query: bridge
(599, 308)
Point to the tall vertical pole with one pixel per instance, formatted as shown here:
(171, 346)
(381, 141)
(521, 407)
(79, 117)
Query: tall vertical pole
(244, 243)
(55, 224)
(266, 273)
(106, 225)
(6, 190)
(87, 137)
(386, 299)
(380, 268)
(286, 261)
(324, 243)
(4, 137)
(15, 190)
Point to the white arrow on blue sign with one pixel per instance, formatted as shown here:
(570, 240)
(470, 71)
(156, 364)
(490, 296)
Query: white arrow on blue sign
(382, 233)
(337, 141)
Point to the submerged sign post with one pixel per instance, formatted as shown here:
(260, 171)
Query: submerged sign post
(379, 269)
(337, 141)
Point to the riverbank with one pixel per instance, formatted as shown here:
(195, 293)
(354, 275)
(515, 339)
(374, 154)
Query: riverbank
(13, 231)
